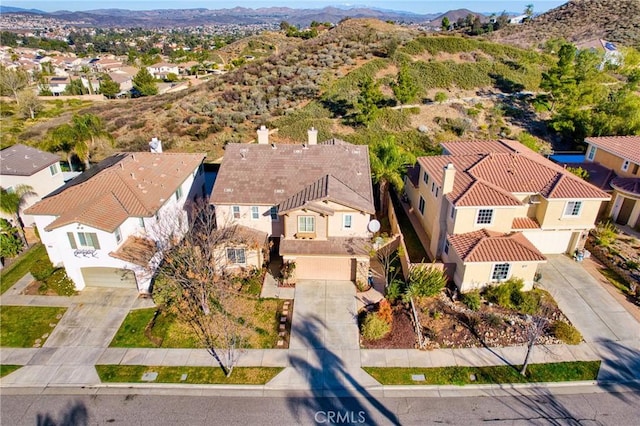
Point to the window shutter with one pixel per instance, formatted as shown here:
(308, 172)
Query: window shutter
(94, 240)
(72, 241)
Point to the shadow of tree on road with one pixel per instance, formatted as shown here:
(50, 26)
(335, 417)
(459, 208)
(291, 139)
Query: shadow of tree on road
(75, 414)
(337, 396)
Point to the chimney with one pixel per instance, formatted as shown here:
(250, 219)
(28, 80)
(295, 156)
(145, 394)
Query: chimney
(263, 135)
(448, 177)
(313, 136)
(155, 145)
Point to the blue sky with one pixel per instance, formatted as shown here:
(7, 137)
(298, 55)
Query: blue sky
(417, 6)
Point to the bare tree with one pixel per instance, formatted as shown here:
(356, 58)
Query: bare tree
(29, 103)
(193, 282)
(12, 81)
(535, 327)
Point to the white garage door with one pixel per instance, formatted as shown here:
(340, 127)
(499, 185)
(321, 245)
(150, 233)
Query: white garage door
(325, 268)
(108, 277)
(550, 242)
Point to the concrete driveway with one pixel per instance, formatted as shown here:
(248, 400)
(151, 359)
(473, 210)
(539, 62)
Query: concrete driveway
(611, 332)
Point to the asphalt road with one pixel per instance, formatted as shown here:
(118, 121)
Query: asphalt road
(587, 409)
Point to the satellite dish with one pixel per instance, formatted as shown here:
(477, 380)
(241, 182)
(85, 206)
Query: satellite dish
(374, 226)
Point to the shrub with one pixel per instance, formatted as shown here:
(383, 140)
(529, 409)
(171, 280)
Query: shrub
(374, 327)
(395, 290)
(42, 270)
(60, 283)
(494, 320)
(566, 332)
(472, 300)
(529, 302)
(384, 311)
(440, 97)
(426, 281)
(606, 234)
(508, 294)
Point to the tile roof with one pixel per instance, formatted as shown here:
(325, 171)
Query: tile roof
(292, 175)
(525, 223)
(477, 146)
(489, 246)
(22, 160)
(491, 179)
(121, 186)
(630, 185)
(627, 147)
(336, 246)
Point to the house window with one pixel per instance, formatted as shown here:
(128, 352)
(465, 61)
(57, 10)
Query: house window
(236, 255)
(437, 189)
(573, 208)
(72, 240)
(635, 169)
(625, 165)
(255, 214)
(433, 186)
(446, 247)
(118, 235)
(306, 224)
(500, 271)
(425, 178)
(141, 222)
(453, 211)
(347, 221)
(592, 153)
(179, 193)
(485, 217)
(421, 205)
(88, 239)
(273, 212)
(235, 211)
(53, 169)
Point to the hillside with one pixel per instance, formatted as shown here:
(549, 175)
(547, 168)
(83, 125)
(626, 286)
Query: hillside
(304, 83)
(579, 21)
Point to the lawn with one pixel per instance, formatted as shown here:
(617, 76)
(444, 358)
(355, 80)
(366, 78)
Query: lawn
(22, 325)
(536, 373)
(195, 375)
(8, 369)
(168, 332)
(12, 273)
(415, 250)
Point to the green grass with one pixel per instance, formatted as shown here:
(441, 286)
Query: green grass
(536, 373)
(195, 375)
(8, 369)
(11, 274)
(415, 250)
(22, 325)
(616, 280)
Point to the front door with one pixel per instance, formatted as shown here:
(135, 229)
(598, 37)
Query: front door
(625, 211)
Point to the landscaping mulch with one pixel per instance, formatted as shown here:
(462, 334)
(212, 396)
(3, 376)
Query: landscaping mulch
(402, 333)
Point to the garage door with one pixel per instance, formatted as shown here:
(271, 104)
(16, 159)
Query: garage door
(325, 268)
(550, 242)
(109, 277)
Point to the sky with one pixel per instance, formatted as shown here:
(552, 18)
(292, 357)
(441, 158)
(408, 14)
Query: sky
(416, 6)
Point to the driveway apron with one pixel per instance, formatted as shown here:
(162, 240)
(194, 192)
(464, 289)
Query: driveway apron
(606, 326)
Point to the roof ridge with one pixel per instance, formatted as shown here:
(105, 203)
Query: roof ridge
(477, 243)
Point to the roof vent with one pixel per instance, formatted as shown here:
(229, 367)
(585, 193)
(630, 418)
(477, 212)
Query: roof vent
(297, 151)
(242, 155)
(133, 176)
(273, 146)
(279, 191)
(227, 190)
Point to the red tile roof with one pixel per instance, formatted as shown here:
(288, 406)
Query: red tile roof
(291, 175)
(627, 147)
(491, 179)
(489, 246)
(525, 223)
(122, 186)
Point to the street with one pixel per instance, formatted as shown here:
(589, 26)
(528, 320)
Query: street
(129, 409)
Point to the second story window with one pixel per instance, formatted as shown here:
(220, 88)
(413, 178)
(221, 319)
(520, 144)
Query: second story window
(141, 222)
(306, 224)
(118, 235)
(273, 212)
(573, 208)
(421, 205)
(89, 239)
(255, 213)
(425, 178)
(347, 221)
(179, 193)
(484, 217)
(625, 165)
(54, 169)
(592, 153)
(235, 212)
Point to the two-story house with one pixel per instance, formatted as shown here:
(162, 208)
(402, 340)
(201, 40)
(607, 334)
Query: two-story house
(99, 226)
(314, 200)
(621, 155)
(163, 69)
(25, 165)
(494, 208)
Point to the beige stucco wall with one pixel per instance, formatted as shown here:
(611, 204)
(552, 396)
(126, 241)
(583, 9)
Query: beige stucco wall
(291, 224)
(329, 225)
(613, 162)
(478, 275)
(224, 217)
(550, 214)
(465, 219)
(253, 258)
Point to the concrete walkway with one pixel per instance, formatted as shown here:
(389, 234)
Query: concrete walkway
(608, 329)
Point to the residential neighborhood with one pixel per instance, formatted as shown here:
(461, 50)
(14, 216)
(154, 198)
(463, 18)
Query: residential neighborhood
(320, 216)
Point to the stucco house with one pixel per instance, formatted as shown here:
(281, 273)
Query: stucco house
(621, 155)
(97, 222)
(163, 69)
(494, 208)
(314, 201)
(21, 164)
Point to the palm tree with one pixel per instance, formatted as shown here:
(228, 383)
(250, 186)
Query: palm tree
(87, 128)
(11, 202)
(389, 161)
